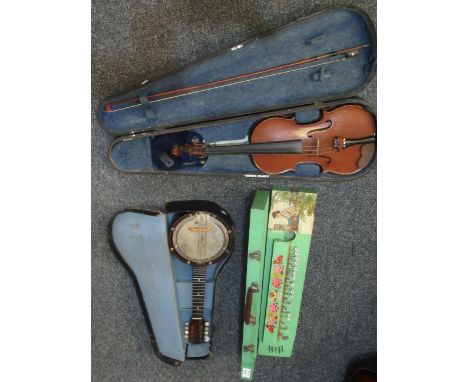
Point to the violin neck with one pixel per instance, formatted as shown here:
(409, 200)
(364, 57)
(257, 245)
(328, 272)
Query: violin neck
(281, 147)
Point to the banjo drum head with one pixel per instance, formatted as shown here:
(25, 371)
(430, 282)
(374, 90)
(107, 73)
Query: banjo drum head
(200, 238)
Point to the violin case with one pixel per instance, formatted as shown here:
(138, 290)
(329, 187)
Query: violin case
(226, 114)
(139, 239)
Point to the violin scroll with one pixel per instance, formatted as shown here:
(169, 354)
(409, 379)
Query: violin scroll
(175, 151)
(191, 150)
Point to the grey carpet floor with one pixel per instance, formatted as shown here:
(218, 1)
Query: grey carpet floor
(136, 40)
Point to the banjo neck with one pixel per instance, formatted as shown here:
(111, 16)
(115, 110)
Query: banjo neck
(196, 331)
(199, 239)
(198, 291)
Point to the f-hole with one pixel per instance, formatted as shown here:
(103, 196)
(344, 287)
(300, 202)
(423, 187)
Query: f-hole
(323, 126)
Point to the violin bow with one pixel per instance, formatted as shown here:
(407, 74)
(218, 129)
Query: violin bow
(278, 70)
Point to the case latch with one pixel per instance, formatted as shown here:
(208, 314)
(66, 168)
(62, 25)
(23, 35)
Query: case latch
(255, 255)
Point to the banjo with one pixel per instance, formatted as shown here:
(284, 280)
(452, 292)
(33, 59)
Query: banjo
(200, 239)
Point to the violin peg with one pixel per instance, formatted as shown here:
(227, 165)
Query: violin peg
(175, 151)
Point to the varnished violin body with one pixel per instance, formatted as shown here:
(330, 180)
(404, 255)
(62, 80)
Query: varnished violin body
(342, 142)
(330, 142)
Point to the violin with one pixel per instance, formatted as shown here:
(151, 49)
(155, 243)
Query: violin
(341, 142)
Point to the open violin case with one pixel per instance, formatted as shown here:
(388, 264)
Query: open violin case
(222, 98)
(139, 238)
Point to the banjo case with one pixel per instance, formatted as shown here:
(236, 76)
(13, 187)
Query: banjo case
(139, 238)
(146, 130)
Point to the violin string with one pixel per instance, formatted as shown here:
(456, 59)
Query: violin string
(304, 149)
(317, 149)
(312, 147)
(304, 146)
(315, 152)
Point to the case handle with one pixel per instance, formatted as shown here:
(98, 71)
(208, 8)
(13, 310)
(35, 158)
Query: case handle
(248, 318)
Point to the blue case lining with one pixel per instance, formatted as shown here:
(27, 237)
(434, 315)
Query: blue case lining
(164, 282)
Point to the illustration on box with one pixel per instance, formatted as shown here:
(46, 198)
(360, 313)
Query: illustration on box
(292, 211)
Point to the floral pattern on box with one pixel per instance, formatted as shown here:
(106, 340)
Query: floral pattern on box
(275, 294)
